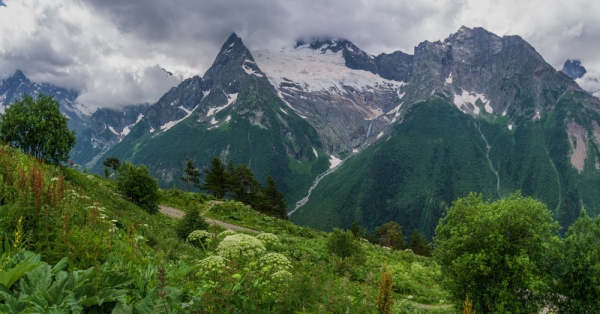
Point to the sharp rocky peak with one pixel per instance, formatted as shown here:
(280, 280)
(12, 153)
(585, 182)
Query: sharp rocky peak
(19, 75)
(574, 69)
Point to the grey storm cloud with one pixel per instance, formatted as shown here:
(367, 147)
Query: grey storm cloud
(112, 51)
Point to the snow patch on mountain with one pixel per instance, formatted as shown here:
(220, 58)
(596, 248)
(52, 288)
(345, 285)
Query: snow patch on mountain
(250, 71)
(315, 151)
(113, 130)
(126, 131)
(171, 124)
(489, 108)
(231, 98)
(465, 99)
(316, 70)
(334, 161)
(449, 79)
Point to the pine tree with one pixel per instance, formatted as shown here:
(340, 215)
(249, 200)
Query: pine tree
(190, 174)
(216, 179)
(272, 201)
(243, 186)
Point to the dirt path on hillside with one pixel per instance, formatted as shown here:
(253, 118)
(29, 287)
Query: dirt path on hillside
(176, 213)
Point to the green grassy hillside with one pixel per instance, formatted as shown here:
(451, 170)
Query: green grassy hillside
(86, 249)
(438, 154)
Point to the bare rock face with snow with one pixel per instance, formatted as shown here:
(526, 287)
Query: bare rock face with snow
(346, 105)
(481, 72)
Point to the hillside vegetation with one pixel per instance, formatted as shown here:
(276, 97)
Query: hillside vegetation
(73, 245)
(438, 154)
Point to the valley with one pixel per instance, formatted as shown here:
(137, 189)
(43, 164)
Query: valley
(474, 112)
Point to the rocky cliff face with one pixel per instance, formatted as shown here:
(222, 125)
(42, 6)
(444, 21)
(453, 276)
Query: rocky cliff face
(505, 73)
(334, 86)
(106, 128)
(480, 113)
(574, 69)
(232, 112)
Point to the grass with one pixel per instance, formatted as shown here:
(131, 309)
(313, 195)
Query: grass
(141, 244)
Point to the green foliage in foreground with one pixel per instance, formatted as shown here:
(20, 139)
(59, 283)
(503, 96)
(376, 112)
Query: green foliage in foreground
(190, 222)
(38, 128)
(137, 185)
(499, 254)
(580, 268)
(100, 232)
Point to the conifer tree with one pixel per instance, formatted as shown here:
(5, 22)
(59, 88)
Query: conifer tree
(272, 201)
(190, 174)
(216, 179)
(419, 244)
(244, 187)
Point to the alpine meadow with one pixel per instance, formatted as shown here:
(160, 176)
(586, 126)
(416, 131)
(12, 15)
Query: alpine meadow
(163, 164)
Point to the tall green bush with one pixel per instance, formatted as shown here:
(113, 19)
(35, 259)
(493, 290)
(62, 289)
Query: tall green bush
(497, 253)
(137, 185)
(579, 283)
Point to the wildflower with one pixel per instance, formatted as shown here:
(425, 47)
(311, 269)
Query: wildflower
(225, 233)
(240, 246)
(275, 262)
(269, 240)
(281, 276)
(198, 236)
(211, 265)
(54, 179)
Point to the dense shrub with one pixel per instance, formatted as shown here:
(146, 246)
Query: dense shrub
(190, 222)
(344, 245)
(138, 186)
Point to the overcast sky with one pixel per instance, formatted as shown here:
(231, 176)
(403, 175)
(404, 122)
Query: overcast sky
(112, 51)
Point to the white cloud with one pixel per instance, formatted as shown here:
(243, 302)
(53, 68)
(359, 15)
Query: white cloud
(111, 50)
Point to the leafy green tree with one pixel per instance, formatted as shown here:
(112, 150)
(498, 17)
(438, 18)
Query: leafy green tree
(38, 128)
(390, 235)
(579, 283)
(114, 163)
(137, 185)
(191, 221)
(344, 245)
(419, 244)
(215, 180)
(497, 253)
(106, 172)
(190, 174)
(272, 201)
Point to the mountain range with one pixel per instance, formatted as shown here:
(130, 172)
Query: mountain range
(370, 138)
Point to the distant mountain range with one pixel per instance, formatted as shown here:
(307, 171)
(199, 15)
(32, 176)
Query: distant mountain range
(370, 138)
